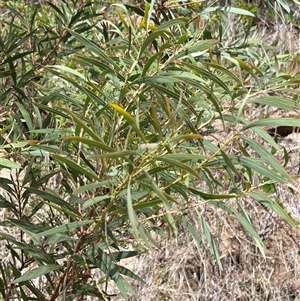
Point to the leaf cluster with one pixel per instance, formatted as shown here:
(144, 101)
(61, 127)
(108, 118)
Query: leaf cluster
(116, 129)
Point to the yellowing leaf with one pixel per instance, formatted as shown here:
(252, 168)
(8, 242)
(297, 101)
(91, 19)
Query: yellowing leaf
(129, 119)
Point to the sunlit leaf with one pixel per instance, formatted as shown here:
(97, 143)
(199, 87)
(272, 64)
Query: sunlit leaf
(273, 122)
(9, 164)
(129, 119)
(276, 101)
(229, 9)
(37, 272)
(63, 228)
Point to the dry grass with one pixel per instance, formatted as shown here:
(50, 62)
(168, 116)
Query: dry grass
(182, 269)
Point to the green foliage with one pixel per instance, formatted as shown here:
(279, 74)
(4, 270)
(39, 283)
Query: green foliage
(113, 129)
(270, 11)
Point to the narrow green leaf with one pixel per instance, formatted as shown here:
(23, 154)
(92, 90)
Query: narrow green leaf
(106, 264)
(151, 38)
(17, 144)
(207, 196)
(225, 71)
(94, 201)
(161, 89)
(207, 74)
(178, 164)
(64, 228)
(245, 213)
(243, 66)
(149, 63)
(116, 155)
(194, 233)
(197, 49)
(131, 214)
(172, 22)
(156, 122)
(228, 162)
(274, 122)
(230, 9)
(255, 164)
(6, 204)
(137, 227)
(244, 222)
(54, 111)
(268, 157)
(263, 134)
(9, 164)
(87, 91)
(210, 240)
(26, 116)
(91, 61)
(17, 56)
(61, 14)
(92, 186)
(75, 167)
(285, 5)
(94, 143)
(237, 11)
(37, 272)
(147, 204)
(69, 70)
(186, 157)
(155, 79)
(46, 196)
(274, 206)
(164, 200)
(284, 103)
(187, 137)
(85, 127)
(93, 47)
(129, 273)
